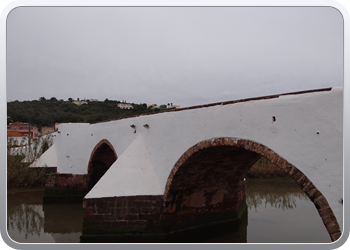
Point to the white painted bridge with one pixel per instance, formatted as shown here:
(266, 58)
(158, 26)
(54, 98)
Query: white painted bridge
(301, 133)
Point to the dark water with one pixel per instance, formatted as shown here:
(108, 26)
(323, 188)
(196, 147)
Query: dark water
(278, 211)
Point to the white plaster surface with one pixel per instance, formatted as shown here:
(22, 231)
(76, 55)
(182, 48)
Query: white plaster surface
(149, 154)
(48, 159)
(131, 174)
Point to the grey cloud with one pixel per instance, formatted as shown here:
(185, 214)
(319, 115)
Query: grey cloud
(188, 56)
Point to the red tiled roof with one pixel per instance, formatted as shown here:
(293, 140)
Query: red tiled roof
(14, 133)
(16, 124)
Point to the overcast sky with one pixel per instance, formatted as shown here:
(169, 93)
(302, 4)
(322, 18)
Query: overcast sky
(185, 56)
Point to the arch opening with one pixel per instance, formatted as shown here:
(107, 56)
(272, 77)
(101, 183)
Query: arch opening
(206, 184)
(102, 157)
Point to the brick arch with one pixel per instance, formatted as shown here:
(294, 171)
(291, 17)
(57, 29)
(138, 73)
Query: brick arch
(323, 208)
(102, 157)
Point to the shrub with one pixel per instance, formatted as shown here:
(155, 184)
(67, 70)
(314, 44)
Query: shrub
(20, 157)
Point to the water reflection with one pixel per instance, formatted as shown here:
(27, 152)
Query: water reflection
(281, 193)
(29, 221)
(63, 218)
(24, 213)
(30, 214)
(278, 211)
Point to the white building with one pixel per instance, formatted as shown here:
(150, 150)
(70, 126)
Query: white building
(174, 107)
(15, 138)
(80, 102)
(152, 106)
(125, 106)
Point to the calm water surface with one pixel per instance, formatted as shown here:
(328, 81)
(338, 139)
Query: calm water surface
(278, 211)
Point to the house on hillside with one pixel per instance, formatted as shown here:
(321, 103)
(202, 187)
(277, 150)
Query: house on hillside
(152, 106)
(23, 128)
(174, 107)
(47, 130)
(80, 102)
(15, 138)
(125, 106)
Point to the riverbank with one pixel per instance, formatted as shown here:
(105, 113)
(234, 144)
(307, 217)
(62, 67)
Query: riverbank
(20, 175)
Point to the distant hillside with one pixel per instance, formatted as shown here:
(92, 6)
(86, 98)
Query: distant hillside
(46, 112)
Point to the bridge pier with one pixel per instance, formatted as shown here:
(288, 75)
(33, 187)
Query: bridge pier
(117, 218)
(65, 187)
(144, 219)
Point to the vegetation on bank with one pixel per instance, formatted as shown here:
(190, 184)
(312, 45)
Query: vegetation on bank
(20, 157)
(19, 175)
(47, 112)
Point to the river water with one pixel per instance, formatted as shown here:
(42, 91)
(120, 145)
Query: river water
(278, 212)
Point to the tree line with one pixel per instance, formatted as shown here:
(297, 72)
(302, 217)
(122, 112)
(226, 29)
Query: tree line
(46, 112)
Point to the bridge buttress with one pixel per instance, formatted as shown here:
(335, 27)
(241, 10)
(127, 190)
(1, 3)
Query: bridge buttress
(67, 187)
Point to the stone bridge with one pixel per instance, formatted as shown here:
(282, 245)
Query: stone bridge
(165, 172)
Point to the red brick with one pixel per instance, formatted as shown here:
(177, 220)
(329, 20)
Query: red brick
(321, 202)
(336, 236)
